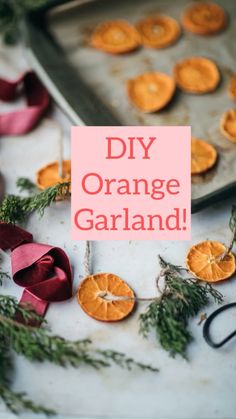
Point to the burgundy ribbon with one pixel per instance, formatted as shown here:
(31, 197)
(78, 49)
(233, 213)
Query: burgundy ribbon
(22, 121)
(44, 271)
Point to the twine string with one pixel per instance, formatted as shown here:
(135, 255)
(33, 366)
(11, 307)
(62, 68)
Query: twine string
(87, 261)
(106, 295)
(60, 152)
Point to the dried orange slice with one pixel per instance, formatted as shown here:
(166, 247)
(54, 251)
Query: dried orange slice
(115, 36)
(49, 174)
(151, 92)
(203, 156)
(93, 290)
(232, 88)
(197, 75)
(204, 261)
(158, 31)
(228, 125)
(204, 18)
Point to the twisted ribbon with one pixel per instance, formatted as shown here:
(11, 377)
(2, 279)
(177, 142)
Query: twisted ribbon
(22, 121)
(43, 270)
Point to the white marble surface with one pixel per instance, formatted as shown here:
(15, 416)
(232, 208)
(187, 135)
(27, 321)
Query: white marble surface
(203, 388)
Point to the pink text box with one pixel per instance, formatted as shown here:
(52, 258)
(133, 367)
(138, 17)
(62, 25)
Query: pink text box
(145, 194)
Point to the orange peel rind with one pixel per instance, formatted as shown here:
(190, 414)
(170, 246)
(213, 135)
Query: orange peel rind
(115, 37)
(228, 125)
(204, 261)
(151, 91)
(158, 31)
(197, 75)
(91, 294)
(232, 88)
(204, 18)
(203, 156)
(49, 175)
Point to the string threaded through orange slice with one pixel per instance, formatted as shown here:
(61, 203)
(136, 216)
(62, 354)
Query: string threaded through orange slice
(204, 18)
(151, 92)
(197, 75)
(115, 37)
(232, 88)
(228, 125)
(49, 175)
(204, 261)
(158, 31)
(203, 156)
(93, 290)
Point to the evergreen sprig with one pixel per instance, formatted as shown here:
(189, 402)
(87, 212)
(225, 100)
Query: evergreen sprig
(38, 344)
(11, 14)
(15, 209)
(3, 276)
(25, 184)
(18, 401)
(15, 401)
(123, 361)
(181, 299)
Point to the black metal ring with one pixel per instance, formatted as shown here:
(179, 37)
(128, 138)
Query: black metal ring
(206, 327)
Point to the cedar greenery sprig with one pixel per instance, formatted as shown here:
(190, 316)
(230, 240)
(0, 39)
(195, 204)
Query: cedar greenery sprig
(11, 14)
(3, 276)
(38, 344)
(15, 401)
(25, 184)
(15, 209)
(123, 361)
(181, 299)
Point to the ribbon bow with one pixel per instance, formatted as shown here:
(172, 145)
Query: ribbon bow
(22, 121)
(44, 271)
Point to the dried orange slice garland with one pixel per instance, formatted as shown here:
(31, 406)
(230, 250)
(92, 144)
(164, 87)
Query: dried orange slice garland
(49, 175)
(197, 75)
(94, 293)
(151, 92)
(232, 88)
(228, 125)
(203, 156)
(158, 31)
(204, 18)
(115, 36)
(204, 261)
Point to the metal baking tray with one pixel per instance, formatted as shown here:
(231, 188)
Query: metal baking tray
(89, 85)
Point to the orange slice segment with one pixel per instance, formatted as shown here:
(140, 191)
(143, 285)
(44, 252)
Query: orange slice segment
(228, 125)
(93, 290)
(204, 18)
(197, 75)
(204, 261)
(49, 175)
(203, 156)
(158, 31)
(232, 88)
(115, 36)
(151, 92)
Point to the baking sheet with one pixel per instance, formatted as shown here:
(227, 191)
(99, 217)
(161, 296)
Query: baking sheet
(107, 74)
